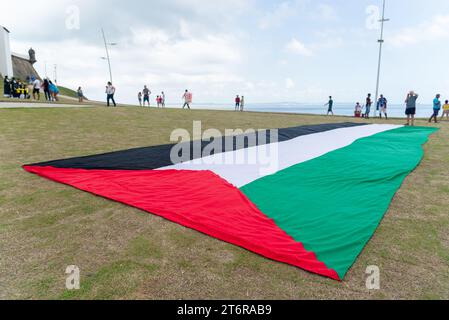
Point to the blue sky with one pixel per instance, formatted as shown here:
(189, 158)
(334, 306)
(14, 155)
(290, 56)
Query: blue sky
(269, 51)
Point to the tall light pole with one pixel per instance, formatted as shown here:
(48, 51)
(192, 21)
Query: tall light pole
(106, 45)
(381, 42)
(56, 73)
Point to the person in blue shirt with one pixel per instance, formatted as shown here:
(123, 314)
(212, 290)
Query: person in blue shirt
(436, 108)
(54, 91)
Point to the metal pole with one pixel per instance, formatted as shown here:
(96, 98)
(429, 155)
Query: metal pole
(107, 54)
(381, 42)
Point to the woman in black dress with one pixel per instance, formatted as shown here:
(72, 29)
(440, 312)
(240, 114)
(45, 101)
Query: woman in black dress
(7, 87)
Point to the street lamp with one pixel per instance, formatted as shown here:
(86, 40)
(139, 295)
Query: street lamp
(381, 42)
(56, 73)
(106, 45)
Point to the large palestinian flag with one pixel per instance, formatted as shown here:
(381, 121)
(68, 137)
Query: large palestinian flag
(316, 210)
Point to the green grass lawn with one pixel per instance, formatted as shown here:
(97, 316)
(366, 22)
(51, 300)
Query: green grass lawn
(124, 253)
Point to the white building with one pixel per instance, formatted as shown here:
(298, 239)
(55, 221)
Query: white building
(6, 68)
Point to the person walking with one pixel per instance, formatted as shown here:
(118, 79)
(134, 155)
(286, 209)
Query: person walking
(330, 106)
(445, 110)
(237, 103)
(110, 92)
(436, 108)
(368, 105)
(383, 103)
(187, 99)
(410, 109)
(242, 104)
(80, 95)
(146, 95)
(139, 97)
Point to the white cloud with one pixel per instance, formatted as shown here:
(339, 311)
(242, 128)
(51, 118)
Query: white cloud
(280, 13)
(297, 47)
(289, 84)
(437, 29)
(295, 8)
(326, 12)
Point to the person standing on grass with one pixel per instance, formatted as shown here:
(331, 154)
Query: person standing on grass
(110, 92)
(410, 110)
(242, 104)
(14, 88)
(330, 104)
(158, 101)
(383, 104)
(445, 110)
(237, 103)
(6, 87)
(54, 91)
(37, 89)
(139, 97)
(187, 99)
(436, 108)
(358, 110)
(163, 99)
(146, 95)
(368, 105)
(80, 95)
(30, 86)
(46, 89)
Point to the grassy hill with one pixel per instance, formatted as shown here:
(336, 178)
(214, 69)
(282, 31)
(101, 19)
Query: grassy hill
(68, 92)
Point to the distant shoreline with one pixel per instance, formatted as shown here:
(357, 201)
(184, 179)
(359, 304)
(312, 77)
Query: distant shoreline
(41, 104)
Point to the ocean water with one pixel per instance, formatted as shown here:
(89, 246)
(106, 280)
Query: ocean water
(341, 109)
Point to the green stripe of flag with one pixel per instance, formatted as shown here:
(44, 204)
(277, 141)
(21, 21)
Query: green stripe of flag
(333, 204)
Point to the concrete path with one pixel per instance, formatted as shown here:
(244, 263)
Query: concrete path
(19, 105)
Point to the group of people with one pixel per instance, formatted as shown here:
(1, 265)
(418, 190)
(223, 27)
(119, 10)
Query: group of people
(382, 108)
(240, 103)
(144, 98)
(31, 88)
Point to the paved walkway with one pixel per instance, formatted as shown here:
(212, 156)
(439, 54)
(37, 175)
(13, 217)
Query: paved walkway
(18, 105)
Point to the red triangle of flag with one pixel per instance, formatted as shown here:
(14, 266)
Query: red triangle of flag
(200, 200)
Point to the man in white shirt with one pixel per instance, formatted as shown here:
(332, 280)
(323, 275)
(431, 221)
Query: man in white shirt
(37, 89)
(110, 91)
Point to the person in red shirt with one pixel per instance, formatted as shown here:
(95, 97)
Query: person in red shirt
(237, 103)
